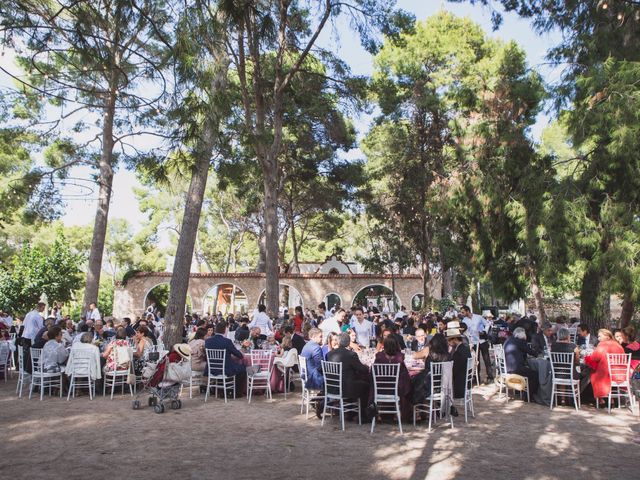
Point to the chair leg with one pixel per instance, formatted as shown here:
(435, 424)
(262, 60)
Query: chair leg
(72, 386)
(42, 388)
(430, 412)
(399, 417)
(342, 414)
(373, 424)
(414, 415)
(324, 412)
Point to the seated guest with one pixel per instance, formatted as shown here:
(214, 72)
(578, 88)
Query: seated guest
(585, 338)
(630, 345)
(68, 332)
(599, 365)
(149, 332)
(515, 354)
(220, 342)
(54, 355)
(255, 338)
(438, 351)
(391, 354)
(198, 353)
(419, 344)
(354, 346)
(355, 375)
(331, 344)
(543, 340)
(564, 345)
(117, 352)
(297, 339)
(312, 352)
(242, 332)
(410, 328)
(126, 323)
(143, 347)
(82, 328)
(386, 333)
(85, 346)
(459, 354)
(394, 333)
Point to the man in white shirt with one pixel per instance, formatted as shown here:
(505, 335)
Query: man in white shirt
(33, 323)
(332, 324)
(262, 321)
(476, 330)
(93, 313)
(451, 313)
(401, 314)
(364, 328)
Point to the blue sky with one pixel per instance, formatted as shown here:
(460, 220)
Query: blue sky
(346, 44)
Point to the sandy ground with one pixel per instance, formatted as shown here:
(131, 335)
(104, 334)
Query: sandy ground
(105, 438)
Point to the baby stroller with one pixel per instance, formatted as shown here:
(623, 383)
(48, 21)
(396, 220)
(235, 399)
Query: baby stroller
(162, 380)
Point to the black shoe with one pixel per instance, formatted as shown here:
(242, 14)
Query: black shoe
(319, 409)
(454, 411)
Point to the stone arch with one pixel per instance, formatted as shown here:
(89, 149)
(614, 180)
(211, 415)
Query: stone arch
(145, 304)
(411, 301)
(238, 300)
(327, 300)
(375, 286)
(291, 303)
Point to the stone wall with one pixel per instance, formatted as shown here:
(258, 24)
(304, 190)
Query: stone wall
(129, 299)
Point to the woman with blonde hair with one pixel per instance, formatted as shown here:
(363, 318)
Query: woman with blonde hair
(599, 365)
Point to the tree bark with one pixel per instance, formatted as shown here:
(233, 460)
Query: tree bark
(105, 180)
(272, 271)
(594, 298)
(538, 297)
(628, 307)
(295, 266)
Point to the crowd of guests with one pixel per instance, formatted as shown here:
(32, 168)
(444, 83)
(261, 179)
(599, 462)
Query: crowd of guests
(335, 335)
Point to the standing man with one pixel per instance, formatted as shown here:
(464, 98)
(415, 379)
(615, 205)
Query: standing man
(93, 313)
(33, 323)
(364, 328)
(477, 332)
(332, 324)
(262, 321)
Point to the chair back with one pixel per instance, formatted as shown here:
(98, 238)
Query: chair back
(437, 376)
(304, 375)
(385, 379)
(501, 362)
(263, 359)
(562, 365)
(573, 333)
(619, 367)
(20, 358)
(81, 365)
(216, 358)
(5, 352)
(36, 360)
(332, 372)
(468, 386)
(132, 342)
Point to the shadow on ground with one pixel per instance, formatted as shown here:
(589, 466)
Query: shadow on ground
(267, 440)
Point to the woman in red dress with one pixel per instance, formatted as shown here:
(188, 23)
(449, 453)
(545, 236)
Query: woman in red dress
(599, 365)
(298, 320)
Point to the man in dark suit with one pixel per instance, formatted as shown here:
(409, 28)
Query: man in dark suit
(584, 337)
(459, 354)
(231, 368)
(355, 375)
(515, 356)
(297, 340)
(543, 340)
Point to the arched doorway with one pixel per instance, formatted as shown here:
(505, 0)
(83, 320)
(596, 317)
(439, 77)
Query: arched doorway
(159, 296)
(417, 302)
(289, 297)
(378, 296)
(332, 300)
(226, 298)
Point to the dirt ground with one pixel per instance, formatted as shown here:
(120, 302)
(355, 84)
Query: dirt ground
(105, 438)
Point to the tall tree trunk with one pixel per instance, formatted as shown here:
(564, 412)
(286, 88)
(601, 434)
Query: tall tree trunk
(105, 179)
(538, 297)
(203, 153)
(272, 272)
(628, 307)
(594, 297)
(295, 266)
(179, 284)
(261, 267)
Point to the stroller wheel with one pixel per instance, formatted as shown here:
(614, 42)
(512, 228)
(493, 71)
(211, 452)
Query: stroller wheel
(152, 401)
(136, 404)
(159, 408)
(175, 405)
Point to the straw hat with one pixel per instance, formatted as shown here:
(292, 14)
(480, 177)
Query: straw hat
(183, 350)
(453, 330)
